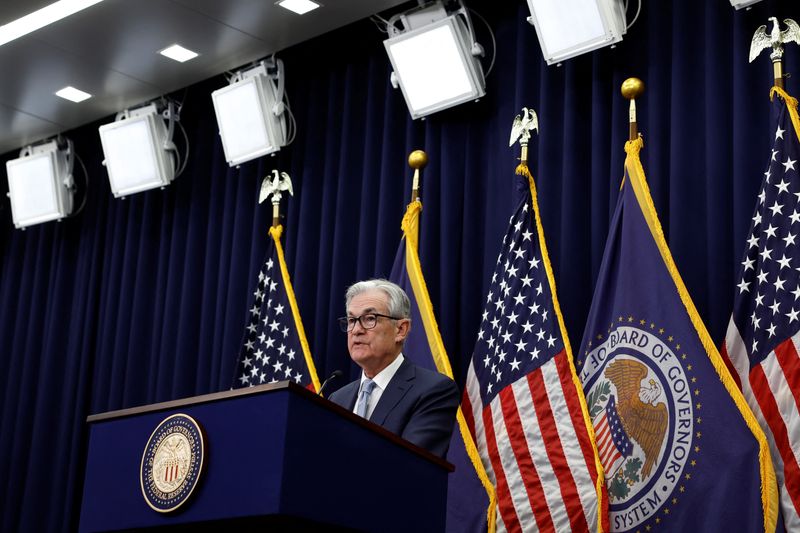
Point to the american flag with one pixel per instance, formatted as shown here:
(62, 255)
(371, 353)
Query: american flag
(764, 330)
(521, 401)
(274, 346)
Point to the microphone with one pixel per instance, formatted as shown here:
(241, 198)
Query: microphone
(335, 374)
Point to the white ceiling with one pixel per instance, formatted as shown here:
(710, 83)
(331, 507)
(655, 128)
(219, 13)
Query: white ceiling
(110, 50)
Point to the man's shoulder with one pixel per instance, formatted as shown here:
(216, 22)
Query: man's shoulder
(342, 392)
(432, 377)
(350, 385)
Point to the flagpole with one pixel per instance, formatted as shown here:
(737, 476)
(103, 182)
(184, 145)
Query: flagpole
(276, 213)
(417, 160)
(632, 88)
(777, 69)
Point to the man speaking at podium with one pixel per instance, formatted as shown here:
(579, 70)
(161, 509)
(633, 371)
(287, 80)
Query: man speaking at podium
(417, 404)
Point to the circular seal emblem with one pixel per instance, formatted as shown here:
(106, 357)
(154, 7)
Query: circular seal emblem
(171, 463)
(640, 399)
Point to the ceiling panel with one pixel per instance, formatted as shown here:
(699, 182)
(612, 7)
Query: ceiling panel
(41, 70)
(126, 37)
(13, 9)
(279, 27)
(21, 129)
(110, 50)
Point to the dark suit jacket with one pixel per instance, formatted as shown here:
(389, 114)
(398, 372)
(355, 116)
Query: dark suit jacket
(418, 404)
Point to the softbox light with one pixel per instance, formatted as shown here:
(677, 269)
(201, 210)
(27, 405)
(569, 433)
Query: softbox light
(434, 59)
(740, 4)
(138, 149)
(40, 183)
(250, 113)
(568, 28)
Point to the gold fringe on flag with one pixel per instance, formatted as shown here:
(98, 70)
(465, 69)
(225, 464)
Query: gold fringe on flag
(275, 232)
(410, 227)
(769, 490)
(522, 170)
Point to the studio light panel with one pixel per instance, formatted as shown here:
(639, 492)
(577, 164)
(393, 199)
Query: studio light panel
(568, 28)
(248, 126)
(135, 154)
(434, 66)
(741, 4)
(36, 187)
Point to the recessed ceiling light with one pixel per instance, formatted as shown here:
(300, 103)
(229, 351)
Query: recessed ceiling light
(301, 7)
(178, 53)
(41, 18)
(73, 94)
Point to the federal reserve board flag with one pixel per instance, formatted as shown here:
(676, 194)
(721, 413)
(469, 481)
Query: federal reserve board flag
(680, 448)
(764, 330)
(274, 346)
(522, 401)
(470, 495)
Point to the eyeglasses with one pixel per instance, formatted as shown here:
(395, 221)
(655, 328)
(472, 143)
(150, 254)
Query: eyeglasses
(367, 321)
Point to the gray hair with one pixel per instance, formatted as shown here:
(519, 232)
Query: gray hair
(398, 306)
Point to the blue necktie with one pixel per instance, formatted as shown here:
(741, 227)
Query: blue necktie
(363, 398)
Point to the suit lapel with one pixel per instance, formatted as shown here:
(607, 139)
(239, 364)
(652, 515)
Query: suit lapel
(401, 382)
(349, 395)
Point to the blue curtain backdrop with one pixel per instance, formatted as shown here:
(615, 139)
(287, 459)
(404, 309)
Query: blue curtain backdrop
(145, 299)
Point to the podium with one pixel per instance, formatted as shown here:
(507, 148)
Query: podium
(275, 457)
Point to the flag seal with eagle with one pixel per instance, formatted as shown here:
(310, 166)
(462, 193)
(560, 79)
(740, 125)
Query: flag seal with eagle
(680, 449)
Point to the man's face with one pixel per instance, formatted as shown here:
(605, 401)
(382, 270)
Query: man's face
(374, 349)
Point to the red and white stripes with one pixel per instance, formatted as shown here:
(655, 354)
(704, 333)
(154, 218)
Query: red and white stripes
(772, 390)
(533, 441)
(610, 456)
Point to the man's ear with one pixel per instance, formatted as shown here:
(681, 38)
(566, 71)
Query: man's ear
(403, 327)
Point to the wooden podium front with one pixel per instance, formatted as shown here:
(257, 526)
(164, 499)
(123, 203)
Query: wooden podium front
(274, 455)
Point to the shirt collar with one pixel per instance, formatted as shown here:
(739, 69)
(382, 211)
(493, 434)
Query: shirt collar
(383, 377)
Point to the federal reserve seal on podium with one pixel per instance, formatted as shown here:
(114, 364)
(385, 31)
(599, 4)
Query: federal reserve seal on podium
(172, 463)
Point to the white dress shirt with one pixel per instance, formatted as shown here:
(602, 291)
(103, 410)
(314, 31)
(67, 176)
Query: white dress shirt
(381, 380)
